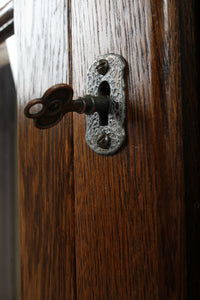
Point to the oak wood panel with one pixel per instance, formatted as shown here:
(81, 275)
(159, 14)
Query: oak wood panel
(45, 157)
(130, 209)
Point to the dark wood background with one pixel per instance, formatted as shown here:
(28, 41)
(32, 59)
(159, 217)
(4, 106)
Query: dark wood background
(190, 42)
(124, 226)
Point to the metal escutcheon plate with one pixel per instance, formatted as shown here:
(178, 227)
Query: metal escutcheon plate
(113, 80)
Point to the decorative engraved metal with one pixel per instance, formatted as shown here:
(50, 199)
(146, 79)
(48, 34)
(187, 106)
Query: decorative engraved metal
(114, 77)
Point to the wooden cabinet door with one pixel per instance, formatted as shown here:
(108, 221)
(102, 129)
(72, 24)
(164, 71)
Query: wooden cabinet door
(109, 227)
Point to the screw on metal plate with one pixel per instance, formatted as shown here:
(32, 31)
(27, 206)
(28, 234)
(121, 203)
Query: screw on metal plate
(105, 132)
(102, 66)
(103, 141)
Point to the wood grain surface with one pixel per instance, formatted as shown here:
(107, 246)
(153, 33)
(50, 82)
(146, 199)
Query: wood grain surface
(123, 226)
(130, 209)
(45, 157)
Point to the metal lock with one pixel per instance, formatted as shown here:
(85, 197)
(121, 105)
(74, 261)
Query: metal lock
(104, 105)
(105, 133)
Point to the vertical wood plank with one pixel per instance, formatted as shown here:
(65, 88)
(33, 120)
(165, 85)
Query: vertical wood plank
(45, 157)
(130, 210)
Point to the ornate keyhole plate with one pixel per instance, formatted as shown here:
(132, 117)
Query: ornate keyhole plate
(106, 134)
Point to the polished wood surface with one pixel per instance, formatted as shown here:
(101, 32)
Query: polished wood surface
(130, 208)
(46, 193)
(116, 227)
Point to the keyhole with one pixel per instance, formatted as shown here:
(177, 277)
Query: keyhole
(104, 90)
